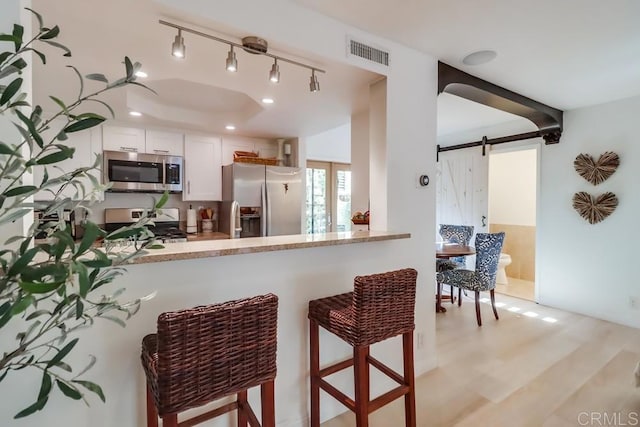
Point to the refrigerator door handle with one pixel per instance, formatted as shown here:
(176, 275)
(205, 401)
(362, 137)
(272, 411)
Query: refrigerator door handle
(264, 213)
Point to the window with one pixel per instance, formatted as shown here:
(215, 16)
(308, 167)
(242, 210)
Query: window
(328, 197)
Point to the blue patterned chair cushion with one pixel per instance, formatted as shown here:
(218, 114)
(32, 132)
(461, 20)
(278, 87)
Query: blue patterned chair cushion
(460, 234)
(488, 247)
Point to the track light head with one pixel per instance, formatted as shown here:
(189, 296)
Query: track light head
(178, 48)
(232, 61)
(274, 75)
(252, 44)
(314, 85)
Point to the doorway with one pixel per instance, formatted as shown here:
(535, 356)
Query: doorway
(493, 193)
(328, 202)
(513, 184)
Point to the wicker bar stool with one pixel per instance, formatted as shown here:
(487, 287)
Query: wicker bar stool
(381, 306)
(205, 353)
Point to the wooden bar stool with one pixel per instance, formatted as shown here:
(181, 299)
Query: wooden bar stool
(205, 353)
(381, 306)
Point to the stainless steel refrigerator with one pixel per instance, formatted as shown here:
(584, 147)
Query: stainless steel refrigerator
(269, 200)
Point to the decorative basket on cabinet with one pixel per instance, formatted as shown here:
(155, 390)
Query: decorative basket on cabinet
(251, 157)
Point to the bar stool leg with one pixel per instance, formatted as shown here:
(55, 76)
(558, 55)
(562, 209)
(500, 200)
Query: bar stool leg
(268, 404)
(243, 420)
(367, 376)
(170, 420)
(152, 414)
(409, 378)
(314, 367)
(361, 374)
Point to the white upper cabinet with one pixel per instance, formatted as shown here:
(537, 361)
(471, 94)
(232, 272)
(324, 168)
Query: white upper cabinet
(167, 143)
(120, 138)
(87, 144)
(202, 168)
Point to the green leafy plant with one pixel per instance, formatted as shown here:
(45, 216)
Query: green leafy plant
(50, 288)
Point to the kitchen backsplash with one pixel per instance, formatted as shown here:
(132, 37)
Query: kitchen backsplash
(144, 200)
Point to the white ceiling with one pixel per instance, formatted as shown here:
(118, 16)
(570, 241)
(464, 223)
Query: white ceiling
(197, 92)
(566, 54)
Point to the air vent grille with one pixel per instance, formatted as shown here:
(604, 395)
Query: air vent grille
(368, 52)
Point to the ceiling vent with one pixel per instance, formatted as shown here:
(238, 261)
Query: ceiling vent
(370, 53)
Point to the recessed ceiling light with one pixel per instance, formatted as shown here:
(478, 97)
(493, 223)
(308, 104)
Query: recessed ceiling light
(267, 100)
(141, 74)
(230, 127)
(480, 57)
(135, 113)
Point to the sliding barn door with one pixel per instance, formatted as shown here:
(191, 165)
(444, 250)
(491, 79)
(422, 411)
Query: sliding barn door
(462, 180)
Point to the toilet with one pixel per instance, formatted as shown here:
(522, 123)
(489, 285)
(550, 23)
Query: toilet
(505, 260)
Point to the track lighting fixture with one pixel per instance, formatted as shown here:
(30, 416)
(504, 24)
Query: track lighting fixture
(178, 48)
(274, 75)
(251, 44)
(232, 61)
(314, 85)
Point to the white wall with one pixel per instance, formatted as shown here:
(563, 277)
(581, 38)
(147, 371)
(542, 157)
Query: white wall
(512, 187)
(333, 145)
(360, 162)
(582, 267)
(378, 160)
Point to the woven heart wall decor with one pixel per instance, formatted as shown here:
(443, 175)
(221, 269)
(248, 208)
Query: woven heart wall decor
(593, 209)
(596, 171)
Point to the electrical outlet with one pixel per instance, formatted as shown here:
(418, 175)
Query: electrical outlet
(420, 339)
(634, 303)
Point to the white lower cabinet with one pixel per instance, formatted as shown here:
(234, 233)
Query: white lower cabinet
(202, 168)
(87, 144)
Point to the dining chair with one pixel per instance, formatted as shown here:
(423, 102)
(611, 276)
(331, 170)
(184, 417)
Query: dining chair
(460, 234)
(483, 278)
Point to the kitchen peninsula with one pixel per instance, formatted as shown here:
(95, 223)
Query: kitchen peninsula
(296, 268)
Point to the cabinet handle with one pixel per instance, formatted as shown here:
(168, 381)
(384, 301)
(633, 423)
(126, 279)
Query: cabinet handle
(135, 150)
(160, 151)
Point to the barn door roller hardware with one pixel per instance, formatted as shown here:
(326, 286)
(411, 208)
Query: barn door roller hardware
(457, 82)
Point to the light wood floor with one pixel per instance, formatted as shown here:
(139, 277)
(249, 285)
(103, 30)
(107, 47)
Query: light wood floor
(523, 371)
(517, 288)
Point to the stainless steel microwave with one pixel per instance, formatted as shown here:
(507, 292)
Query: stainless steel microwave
(138, 172)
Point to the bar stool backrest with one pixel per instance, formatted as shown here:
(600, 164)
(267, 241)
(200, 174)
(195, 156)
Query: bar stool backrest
(384, 305)
(208, 352)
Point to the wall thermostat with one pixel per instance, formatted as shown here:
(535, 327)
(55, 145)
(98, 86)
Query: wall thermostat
(423, 180)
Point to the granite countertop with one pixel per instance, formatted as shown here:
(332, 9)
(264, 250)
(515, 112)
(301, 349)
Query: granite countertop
(202, 247)
(210, 235)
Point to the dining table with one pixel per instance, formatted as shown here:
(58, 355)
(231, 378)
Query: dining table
(445, 250)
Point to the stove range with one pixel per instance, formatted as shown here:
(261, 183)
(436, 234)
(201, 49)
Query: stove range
(166, 223)
(170, 234)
